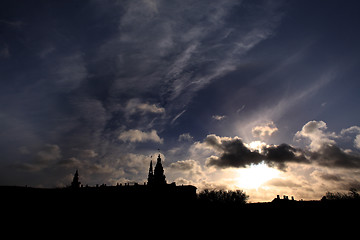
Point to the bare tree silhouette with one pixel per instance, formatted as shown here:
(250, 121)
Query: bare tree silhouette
(223, 197)
(337, 196)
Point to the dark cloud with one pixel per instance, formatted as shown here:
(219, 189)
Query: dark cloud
(234, 153)
(46, 157)
(323, 148)
(331, 155)
(280, 155)
(331, 177)
(71, 163)
(189, 168)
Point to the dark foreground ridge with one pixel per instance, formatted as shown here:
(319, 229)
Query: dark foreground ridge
(138, 210)
(167, 204)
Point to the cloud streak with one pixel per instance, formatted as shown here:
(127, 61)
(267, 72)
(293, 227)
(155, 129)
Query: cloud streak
(135, 105)
(180, 48)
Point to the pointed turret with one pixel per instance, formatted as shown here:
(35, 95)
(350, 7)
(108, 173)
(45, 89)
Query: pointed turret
(151, 174)
(159, 177)
(75, 183)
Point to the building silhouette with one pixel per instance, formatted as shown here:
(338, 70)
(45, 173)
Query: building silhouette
(101, 198)
(156, 177)
(156, 188)
(151, 174)
(75, 183)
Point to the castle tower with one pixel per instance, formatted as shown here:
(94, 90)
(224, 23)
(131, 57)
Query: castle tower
(151, 174)
(159, 177)
(75, 183)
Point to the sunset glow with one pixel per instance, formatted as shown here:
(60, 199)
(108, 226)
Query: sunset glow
(259, 95)
(255, 175)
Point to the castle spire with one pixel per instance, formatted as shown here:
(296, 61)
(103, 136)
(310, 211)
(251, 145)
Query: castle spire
(75, 183)
(151, 174)
(159, 177)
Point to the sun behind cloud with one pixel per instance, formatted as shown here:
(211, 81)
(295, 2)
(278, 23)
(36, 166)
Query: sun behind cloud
(255, 175)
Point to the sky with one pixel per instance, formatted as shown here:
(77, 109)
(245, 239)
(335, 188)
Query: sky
(255, 95)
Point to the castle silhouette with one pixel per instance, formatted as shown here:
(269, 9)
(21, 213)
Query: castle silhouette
(157, 177)
(135, 200)
(155, 188)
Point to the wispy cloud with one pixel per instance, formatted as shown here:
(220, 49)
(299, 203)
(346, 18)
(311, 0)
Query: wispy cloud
(185, 137)
(135, 105)
(282, 105)
(265, 130)
(69, 72)
(135, 135)
(180, 48)
(14, 24)
(218, 117)
(5, 52)
(131, 74)
(46, 157)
